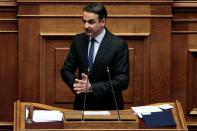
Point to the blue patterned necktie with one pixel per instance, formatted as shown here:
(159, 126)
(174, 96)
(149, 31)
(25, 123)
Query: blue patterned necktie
(91, 54)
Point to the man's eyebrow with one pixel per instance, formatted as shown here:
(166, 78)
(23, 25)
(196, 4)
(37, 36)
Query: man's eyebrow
(88, 19)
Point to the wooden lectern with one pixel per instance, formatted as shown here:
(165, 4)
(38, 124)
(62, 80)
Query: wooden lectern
(72, 120)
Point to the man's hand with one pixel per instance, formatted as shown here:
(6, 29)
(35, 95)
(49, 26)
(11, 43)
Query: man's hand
(80, 85)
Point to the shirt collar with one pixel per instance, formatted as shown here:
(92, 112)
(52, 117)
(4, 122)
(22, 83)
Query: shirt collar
(99, 38)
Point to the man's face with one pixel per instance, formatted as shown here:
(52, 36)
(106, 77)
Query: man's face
(92, 26)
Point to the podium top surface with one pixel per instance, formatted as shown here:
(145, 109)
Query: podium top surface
(72, 119)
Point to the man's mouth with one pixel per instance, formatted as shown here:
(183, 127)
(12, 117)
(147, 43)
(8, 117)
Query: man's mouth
(88, 31)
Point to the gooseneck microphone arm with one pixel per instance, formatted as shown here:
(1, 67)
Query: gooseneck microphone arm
(84, 102)
(108, 72)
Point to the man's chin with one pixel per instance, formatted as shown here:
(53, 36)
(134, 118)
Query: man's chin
(89, 34)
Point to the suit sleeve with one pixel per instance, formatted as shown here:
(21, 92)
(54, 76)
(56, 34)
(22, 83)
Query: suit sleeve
(69, 68)
(119, 72)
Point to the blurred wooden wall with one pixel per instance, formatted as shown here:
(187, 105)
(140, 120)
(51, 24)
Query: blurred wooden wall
(35, 36)
(8, 59)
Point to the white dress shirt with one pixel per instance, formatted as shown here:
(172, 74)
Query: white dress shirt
(97, 43)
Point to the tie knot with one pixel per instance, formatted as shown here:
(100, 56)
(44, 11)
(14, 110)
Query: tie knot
(92, 40)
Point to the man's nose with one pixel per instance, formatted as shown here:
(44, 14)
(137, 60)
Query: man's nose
(86, 25)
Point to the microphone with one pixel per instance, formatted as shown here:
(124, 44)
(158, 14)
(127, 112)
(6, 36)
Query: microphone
(84, 102)
(113, 93)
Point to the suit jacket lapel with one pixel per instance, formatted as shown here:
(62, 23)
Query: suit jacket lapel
(102, 49)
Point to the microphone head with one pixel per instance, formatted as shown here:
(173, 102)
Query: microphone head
(88, 69)
(107, 69)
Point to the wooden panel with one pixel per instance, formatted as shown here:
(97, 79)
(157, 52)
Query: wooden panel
(180, 25)
(76, 9)
(8, 15)
(8, 61)
(159, 77)
(75, 25)
(188, 16)
(8, 10)
(128, 94)
(183, 24)
(62, 92)
(179, 68)
(183, 64)
(8, 3)
(160, 57)
(8, 74)
(9, 0)
(55, 87)
(8, 25)
(139, 58)
(192, 85)
(29, 64)
(157, 9)
(179, 57)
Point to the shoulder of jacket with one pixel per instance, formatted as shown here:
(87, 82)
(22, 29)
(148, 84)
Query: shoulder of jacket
(114, 37)
(80, 36)
(117, 39)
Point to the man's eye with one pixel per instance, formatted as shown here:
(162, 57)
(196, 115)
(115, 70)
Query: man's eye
(91, 22)
(84, 21)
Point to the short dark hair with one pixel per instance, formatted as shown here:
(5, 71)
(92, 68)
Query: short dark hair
(97, 8)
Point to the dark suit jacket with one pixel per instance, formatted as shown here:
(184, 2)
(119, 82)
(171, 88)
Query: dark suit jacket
(113, 52)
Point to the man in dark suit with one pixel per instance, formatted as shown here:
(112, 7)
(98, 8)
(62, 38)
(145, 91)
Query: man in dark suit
(91, 58)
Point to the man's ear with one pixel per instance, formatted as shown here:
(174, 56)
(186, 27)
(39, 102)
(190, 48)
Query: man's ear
(103, 21)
